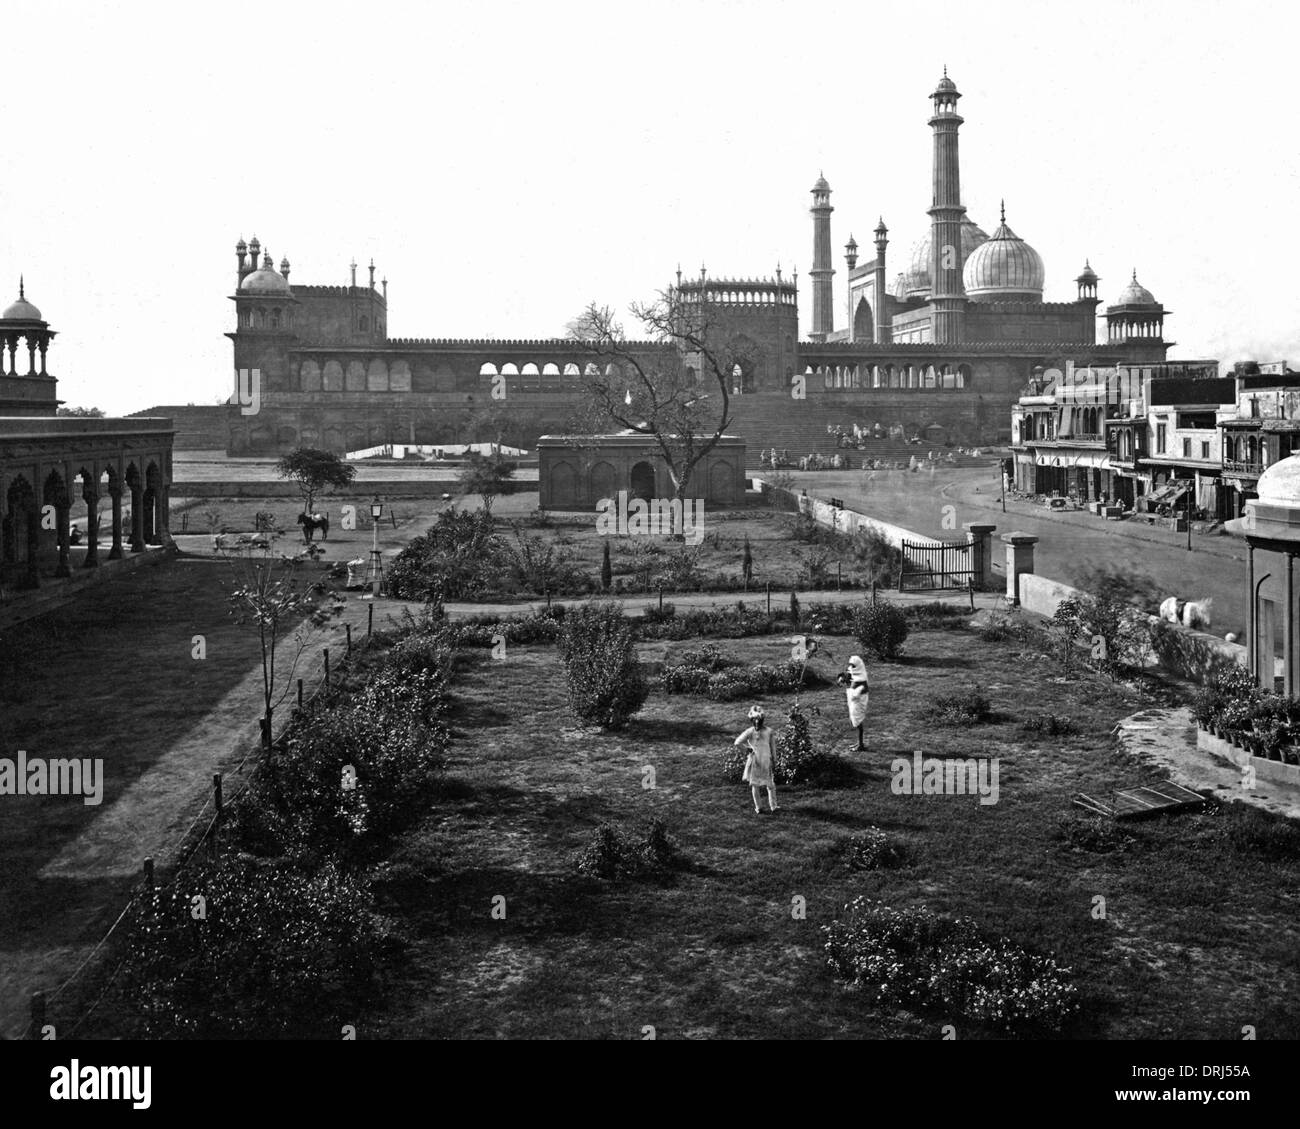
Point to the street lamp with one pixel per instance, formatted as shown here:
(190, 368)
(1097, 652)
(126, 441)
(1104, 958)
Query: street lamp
(376, 561)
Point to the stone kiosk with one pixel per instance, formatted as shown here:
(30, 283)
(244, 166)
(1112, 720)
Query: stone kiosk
(1271, 528)
(576, 472)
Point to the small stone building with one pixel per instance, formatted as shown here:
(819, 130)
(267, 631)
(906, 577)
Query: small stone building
(575, 473)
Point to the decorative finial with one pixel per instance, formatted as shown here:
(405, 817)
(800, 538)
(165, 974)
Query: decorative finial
(945, 70)
(21, 295)
(1004, 211)
(1135, 274)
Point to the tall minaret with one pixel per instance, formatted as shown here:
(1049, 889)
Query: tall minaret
(881, 319)
(823, 316)
(947, 298)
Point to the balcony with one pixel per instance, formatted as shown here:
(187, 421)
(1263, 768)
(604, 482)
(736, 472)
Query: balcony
(1243, 467)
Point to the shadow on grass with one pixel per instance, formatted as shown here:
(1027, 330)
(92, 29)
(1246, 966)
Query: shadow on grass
(677, 731)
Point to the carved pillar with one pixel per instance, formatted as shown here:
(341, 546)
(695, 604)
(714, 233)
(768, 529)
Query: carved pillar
(90, 495)
(43, 346)
(115, 493)
(31, 355)
(33, 543)
(137, 516)
(62, 512)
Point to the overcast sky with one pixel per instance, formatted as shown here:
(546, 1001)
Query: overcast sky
(506, 163)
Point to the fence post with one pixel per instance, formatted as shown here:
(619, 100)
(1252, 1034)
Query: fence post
(661, 598)
(874, 585)
(217, 798)
(839, 575)
(300, 694)
(38, 1015)
(769, 597)
(148, 874)
(327, 670)
(370, 622)
(349, 630)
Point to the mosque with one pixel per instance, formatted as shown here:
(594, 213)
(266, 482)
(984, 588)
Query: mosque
(941, 353)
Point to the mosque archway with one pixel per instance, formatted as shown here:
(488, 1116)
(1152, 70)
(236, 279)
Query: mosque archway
(863, 323)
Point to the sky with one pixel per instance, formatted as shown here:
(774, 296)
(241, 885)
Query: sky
(504, 164)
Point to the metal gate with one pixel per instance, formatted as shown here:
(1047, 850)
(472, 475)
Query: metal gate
(939, 565)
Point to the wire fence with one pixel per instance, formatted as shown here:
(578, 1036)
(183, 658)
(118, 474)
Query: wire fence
(38, 1025)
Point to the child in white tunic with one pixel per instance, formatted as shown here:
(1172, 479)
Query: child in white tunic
(856, 693)
(759, 772)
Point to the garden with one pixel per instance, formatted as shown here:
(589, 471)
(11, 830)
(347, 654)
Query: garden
(534, 827)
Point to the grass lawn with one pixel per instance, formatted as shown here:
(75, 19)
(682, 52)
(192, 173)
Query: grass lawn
(1200, 936)
(238, 515)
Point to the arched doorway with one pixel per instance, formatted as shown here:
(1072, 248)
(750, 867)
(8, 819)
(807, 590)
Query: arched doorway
(863, 323)
(643, 481)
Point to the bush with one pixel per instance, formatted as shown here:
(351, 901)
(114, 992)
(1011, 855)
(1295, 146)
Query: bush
(281, 953)
(1092, 833)
(872, 849)
(610, 854)
(1049, 725)
(541, 628)
(881, 628)
(656, 615)
(796, 759)
(915, 959)
(968, 706)
(605, 683)
(459, 558)
(1118, 637)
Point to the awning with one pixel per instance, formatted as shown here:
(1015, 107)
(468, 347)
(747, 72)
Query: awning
(1098, 460)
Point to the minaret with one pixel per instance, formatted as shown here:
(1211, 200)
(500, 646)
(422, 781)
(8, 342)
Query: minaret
(823, 317)
(851, 258)
(881, 320)
(947, 298)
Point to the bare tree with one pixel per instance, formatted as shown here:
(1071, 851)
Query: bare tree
(268, 596)
(674, 386)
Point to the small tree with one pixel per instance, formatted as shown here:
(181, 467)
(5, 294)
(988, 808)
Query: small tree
(747, 564)
(486, 476)
(314, 471)
(267, 597)
(81, 413)
(606, 570)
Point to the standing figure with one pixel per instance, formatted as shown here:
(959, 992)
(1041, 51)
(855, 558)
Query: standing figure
(759, 766)
(856, 689)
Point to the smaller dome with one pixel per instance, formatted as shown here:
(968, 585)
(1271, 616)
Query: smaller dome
(1135, 294)
(21, 310)
(821, 185)
(1088, 275)
(1279, 485)
(266, 279)
(945, 84)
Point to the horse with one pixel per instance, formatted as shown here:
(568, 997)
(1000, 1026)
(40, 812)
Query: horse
(312, 522)
(1190, 613)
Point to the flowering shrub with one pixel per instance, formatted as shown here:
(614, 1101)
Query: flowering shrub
(915, 959)
(968, 706)
(281, 953)
(873, 849)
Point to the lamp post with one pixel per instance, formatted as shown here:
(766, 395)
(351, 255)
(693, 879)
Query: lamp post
(1189, 520)
(376, 561)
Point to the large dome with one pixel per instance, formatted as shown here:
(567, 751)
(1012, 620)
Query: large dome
(916, 280)
(1135, 294)
(266, 279)
(1003, 268)
(1279, 485)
